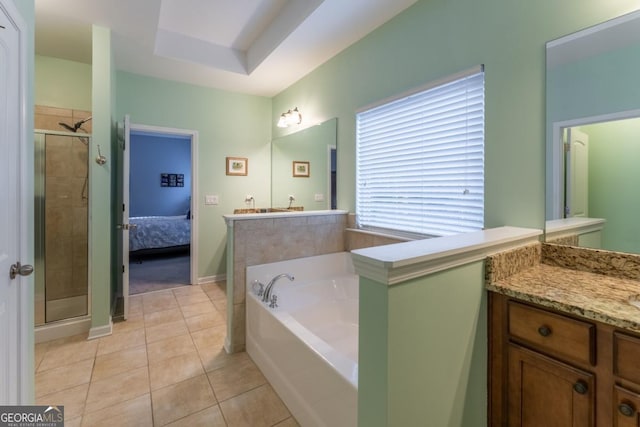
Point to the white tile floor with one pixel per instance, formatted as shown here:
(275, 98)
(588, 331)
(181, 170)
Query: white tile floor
(164, 366)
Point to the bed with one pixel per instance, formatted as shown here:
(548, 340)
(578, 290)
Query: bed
(159, 234)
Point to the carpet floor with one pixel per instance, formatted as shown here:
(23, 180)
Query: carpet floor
(158, 273)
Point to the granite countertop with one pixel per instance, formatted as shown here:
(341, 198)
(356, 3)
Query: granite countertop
(595, 296)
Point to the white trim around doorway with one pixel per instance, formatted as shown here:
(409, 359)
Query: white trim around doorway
(557, 155)
(193, 134)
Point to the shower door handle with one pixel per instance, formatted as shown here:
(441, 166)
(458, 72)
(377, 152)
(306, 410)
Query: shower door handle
(18, 269)
(128, 226)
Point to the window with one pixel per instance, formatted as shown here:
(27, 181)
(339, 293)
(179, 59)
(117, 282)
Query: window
(420, 160)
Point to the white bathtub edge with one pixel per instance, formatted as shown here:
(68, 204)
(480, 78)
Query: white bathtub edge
(303, 414)
(317, 382)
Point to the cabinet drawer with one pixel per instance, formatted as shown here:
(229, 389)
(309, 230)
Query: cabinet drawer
(556, 334)
(625, 408)
(626, 357)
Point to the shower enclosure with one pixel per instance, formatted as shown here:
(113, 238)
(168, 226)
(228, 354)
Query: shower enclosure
(61, 225)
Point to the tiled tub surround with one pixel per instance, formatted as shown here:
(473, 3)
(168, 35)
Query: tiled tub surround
(307, 346)
(359, 239)
(595, 284)
(254, 239)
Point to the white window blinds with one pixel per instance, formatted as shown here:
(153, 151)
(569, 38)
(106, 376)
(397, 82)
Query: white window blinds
(420, 161)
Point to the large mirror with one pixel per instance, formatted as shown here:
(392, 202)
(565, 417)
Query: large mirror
(593, 130)
(303, 168)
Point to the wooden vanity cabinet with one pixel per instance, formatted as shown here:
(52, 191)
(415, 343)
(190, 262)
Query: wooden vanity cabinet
(626, 368)
(548, 368)
(561, 336)
(546, 392)
(626, 404)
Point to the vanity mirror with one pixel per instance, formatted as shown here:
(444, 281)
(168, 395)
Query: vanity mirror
(303, 165)
(593, 109)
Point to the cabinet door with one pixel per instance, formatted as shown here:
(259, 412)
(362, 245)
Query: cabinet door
(626, 353)
(625, 410)
(546, 392)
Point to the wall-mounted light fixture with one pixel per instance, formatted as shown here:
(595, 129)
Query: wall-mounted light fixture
(291, 117)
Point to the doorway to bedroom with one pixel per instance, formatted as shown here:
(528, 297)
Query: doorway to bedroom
(160, 219)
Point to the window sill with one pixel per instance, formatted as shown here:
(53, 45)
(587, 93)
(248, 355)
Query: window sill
(388, 235)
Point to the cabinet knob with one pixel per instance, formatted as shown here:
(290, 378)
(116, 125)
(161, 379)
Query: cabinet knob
(580, 387)
(544, 330)
(626, 409)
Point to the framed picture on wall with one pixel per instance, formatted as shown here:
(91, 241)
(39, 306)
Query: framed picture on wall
(171, 180)
(237, 166)
(301, 169)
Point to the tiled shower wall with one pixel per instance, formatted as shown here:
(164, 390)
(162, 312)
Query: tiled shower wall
(48, 118)
(66, 212)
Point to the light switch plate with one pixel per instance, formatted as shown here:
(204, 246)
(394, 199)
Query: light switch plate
(211, 199)
(319, 197)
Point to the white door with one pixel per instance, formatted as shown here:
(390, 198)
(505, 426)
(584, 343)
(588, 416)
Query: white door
(125, 212)
(577, 192)
(16, 308)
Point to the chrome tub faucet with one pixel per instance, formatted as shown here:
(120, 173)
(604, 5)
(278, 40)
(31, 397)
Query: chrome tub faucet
(266, 296)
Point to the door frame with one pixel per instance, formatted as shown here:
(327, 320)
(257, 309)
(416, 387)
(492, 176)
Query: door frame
(23, 377)
(576, 165)
(557, 155)
(330, 195)
(193, 135)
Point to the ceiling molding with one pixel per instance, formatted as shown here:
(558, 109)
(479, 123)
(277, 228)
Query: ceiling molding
(257, 47)
(179, 46)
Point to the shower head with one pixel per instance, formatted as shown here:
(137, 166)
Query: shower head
(67, 127)
(81, 122)
(76, 125)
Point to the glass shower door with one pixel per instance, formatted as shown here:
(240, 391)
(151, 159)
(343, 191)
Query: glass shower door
(61, 226)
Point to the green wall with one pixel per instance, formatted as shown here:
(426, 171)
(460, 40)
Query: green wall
(436, 38)
(61, 83)
(614, 150)
(101, 225)
(228, 124)
(116, 191)
(430, 40)
(373, 353)
(423, 350)
(590, 240)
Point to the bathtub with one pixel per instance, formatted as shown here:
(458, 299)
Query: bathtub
(307, 347)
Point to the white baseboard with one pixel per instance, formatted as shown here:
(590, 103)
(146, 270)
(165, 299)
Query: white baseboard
(212, 279)
(61, 329)
(101, 331)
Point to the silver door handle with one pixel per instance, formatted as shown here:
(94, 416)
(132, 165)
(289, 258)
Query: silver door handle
(22, 270)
